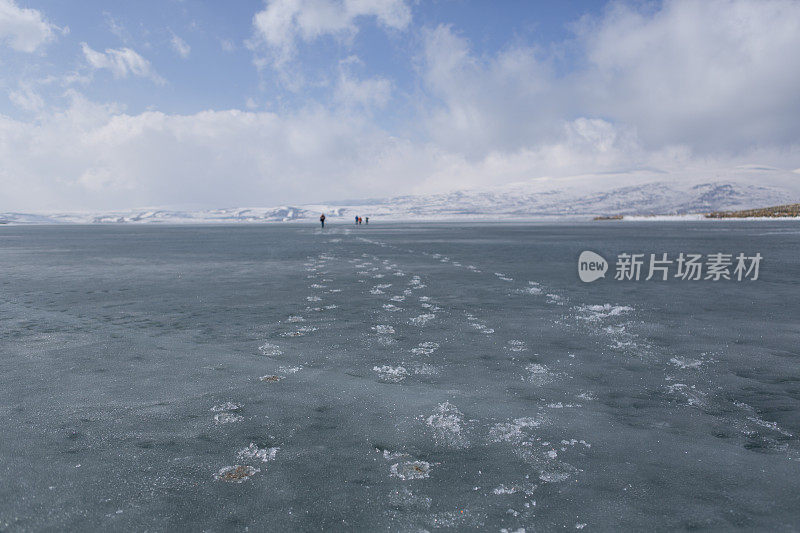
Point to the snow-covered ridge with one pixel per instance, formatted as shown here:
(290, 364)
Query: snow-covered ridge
(581, 196)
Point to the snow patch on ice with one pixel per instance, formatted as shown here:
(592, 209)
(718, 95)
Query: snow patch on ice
(392, 374)
(513, 431)
(447, 423)
(411, 470)
(425, 348)
(260, 454)
(236, 474)
(686, 363)
(227, 418)
(227, 406)
(539, 374)
(299, 332)
(270, 350)
(596, 313)
(425, 369)
(516, 346)
(422, 319)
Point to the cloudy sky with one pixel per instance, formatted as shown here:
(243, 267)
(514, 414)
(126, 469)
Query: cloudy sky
(109, 105)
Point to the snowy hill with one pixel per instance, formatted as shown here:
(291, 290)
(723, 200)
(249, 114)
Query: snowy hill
(646, 192)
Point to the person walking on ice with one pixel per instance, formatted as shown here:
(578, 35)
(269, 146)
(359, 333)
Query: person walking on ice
(322, 220)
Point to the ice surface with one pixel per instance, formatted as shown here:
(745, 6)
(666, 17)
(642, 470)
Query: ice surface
(181, 376)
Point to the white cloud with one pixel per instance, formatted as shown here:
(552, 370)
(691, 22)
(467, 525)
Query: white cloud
(24, 30)
(681, 88)
(180, 46)
(282, 23)
(715, 74)
(368, 93)
(26, 98)
(121, 62)
(116, 27)
(97, 156)
(94, 155)
(505, 102)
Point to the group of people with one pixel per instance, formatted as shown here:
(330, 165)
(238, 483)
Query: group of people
(359, 220)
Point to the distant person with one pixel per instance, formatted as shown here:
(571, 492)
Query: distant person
(356, 219)
(322, 220)
(360, 220)
(366, 220)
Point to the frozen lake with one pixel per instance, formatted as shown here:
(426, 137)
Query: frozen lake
(398, 377)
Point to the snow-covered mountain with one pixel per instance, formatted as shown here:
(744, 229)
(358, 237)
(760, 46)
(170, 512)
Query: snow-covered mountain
(646, 192)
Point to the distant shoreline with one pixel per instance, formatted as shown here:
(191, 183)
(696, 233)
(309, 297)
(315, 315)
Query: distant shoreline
(378, 222)
(257, 216)
(778, 212)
